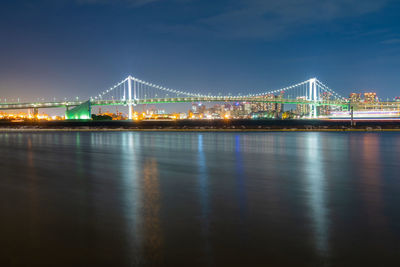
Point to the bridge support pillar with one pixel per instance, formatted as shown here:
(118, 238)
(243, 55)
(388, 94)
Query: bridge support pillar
(312, 96)
(132, 96)
(130, 106)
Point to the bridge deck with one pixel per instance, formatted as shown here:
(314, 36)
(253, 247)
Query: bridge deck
(4, 106)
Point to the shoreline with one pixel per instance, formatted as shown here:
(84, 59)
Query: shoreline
(15, 130)
(202, 126)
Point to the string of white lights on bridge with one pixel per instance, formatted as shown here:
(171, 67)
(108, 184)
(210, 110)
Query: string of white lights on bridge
(144, 90)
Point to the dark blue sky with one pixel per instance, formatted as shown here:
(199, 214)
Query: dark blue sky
(66, 48)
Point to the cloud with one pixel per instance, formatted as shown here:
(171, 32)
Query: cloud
(391, 41)
(260, 18)
(270, 19)
(244, 19)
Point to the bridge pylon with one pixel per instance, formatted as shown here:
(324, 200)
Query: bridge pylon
(312, 96)
(130, 106)
(132, 95)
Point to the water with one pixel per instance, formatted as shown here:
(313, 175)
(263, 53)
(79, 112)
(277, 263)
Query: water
(195, 199)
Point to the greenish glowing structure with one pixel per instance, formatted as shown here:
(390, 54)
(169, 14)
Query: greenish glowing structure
(81, 112)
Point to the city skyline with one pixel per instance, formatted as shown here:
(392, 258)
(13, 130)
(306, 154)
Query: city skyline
(77, 48)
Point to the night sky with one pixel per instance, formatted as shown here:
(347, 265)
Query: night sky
(69, 48)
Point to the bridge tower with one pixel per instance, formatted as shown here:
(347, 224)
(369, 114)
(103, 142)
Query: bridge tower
(130, 106)
(312, 96)
(132, 95)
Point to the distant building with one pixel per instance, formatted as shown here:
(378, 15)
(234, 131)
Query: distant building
(279, 106)
(247, 108)
(258, 106)
(198, 108)
(302, 109)
(194, 107)
(355, 97)
(370, 97)
(324, 109)
(271, 103)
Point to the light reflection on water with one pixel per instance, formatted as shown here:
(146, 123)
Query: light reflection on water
(199, 198)
(131, 192)
(317, 192)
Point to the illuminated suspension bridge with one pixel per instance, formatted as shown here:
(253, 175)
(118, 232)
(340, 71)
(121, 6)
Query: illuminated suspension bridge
(133, 91)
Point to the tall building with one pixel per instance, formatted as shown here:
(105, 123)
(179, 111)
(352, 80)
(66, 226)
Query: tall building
(370, 97)
(247, 107)
(271, 103)
(279, 106)
(355, 97)
(270, 106)
(194, 107)
(324, 110)
(302, 109)
(258, 106)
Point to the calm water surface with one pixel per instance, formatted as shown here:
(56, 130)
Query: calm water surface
(191, 199)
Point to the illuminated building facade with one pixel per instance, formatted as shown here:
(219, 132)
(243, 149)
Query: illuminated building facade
(302, 109)
(324, 110)
(355, 97)
(370, 97)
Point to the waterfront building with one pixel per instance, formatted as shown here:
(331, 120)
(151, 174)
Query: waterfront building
(355, 97)
(302, 109)
(324, 110)
(370, 97)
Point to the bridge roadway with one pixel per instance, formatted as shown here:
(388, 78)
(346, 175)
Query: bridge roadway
(67, 104)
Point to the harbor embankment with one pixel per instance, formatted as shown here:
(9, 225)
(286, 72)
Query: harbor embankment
(203, 125)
